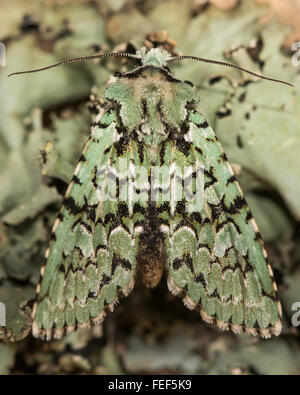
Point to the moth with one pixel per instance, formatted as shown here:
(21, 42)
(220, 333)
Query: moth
(112, 226)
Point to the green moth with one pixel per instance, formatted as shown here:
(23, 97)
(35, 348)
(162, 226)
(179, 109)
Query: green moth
(112, 226)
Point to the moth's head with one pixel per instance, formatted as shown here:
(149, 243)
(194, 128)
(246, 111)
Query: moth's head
(157, 57)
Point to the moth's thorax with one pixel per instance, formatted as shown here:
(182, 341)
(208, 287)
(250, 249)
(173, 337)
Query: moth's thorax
(152, 102)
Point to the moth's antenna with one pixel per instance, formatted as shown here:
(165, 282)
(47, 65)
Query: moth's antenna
(228, 65)
(80, 59)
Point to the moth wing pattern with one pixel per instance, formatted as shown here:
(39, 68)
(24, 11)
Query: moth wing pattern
(216, 259)
(91, 257)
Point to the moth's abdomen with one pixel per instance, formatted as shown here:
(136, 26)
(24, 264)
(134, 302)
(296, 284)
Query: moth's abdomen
(151, 258)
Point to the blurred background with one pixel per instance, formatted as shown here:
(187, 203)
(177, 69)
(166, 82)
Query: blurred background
(45, 119)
